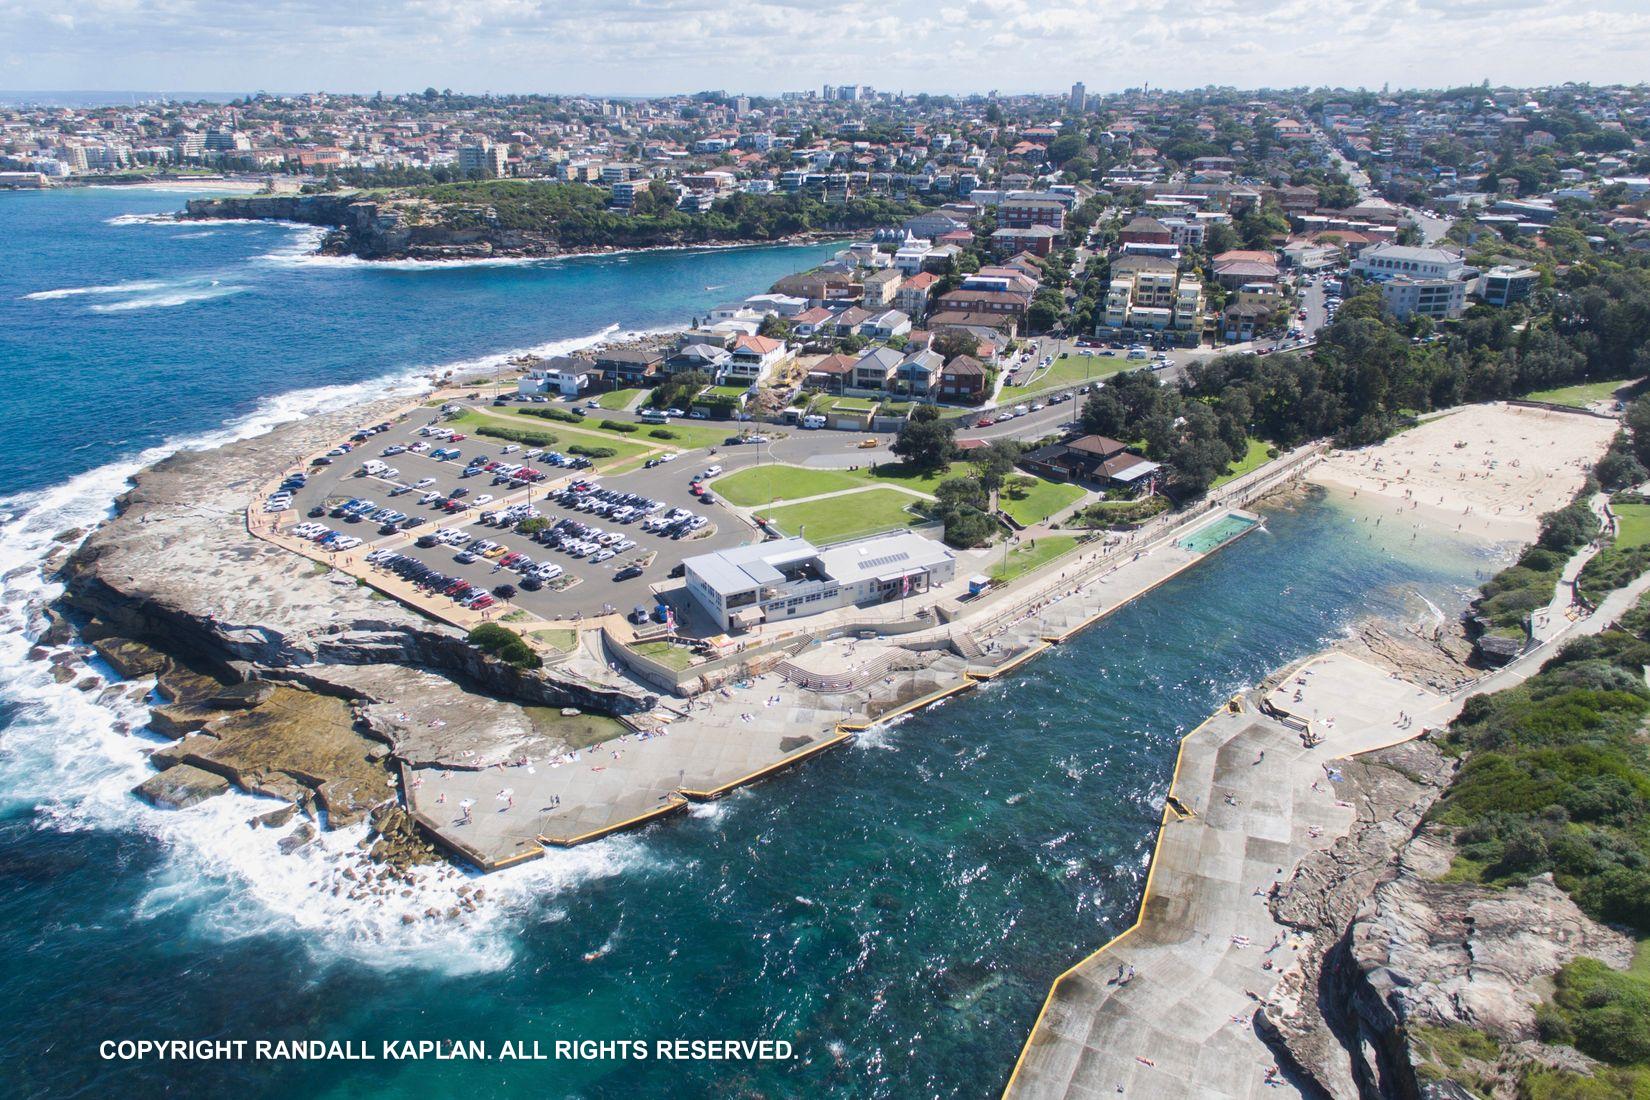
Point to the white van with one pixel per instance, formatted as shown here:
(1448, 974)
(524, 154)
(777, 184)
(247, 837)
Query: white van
(1137, 352)
(813, 420)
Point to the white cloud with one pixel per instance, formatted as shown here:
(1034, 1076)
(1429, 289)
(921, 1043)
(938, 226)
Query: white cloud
(643, 46)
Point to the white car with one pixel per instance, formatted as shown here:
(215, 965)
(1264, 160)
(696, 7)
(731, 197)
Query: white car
(484, 498)
(423, 483)
(601, 555)
(710, 472)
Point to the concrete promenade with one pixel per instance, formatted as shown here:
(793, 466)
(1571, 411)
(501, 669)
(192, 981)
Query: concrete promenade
(1166, 1009)
(1249, 800)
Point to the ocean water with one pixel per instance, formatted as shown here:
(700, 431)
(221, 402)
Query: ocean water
(895, 909)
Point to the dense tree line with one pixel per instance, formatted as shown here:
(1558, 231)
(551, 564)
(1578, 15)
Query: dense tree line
(577, 215)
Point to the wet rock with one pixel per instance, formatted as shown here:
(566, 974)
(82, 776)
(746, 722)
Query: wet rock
(39, 653)
(130, 659)
(275, 819)
(58, 630)
(180, 786)
(241, 696)
(62, 674)
(298, 838)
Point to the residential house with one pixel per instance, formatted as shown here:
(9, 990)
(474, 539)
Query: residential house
(1003, 302)
(1504, 284)
(811, 321)
(753, 358)
(568, 375)
(630, 366)
(919, 372)
(963, 381)
(875, 369)
(708, 359)
(885, 325)
(832, 374)
(1092, 459)
(911, 294)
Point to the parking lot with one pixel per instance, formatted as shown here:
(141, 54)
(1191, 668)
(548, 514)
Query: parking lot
(447, 497)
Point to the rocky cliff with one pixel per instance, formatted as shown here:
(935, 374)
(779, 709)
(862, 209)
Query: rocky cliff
(278, 674)
(1395, 957)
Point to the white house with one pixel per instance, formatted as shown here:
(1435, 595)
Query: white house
(568, 375)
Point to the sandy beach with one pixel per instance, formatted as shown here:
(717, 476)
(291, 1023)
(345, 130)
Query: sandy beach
(1485, 471)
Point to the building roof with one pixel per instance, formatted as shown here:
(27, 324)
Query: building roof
(761, 345)
(964, 365)
(1101, 445)
(833, 364)
(1409, 254)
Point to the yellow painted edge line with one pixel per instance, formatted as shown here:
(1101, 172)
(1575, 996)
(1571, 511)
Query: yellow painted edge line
(1139, 919)
(789, 761)
(675, 805)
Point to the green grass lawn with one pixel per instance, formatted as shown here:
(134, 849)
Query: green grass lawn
(619, 399)
(1584, 393)
(1029, 555)
(677, 657)
(563, 640)
(1039, 502)
(851, 516)
(765, 484)
(1634, 527)
(1068, 370)
(734, 392)
(824, 405)
(1252, 460)
(566, 435)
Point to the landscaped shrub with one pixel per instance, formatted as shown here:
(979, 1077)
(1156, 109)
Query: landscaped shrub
(518, 435)
(592, 452)
(551, 414)
(662, 433)
(619, 426)
(506, 645)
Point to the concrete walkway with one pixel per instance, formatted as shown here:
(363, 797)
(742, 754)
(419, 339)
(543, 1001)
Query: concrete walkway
(1166, 1009)
(1248, 802)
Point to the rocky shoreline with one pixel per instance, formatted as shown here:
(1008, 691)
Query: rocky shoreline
(371, 230)
(274, 674)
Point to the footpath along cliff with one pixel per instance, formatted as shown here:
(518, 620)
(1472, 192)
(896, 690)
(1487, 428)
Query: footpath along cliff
(273, 672)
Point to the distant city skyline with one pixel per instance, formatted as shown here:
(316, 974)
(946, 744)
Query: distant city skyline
(654, 47)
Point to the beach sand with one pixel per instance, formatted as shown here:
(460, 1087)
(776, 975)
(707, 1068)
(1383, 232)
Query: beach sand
(1485, 471)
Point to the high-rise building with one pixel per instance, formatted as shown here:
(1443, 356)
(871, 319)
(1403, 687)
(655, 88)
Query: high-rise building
(483, 157)
(1079, 98)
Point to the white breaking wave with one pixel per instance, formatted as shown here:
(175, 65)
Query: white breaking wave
(179, 297)
(133, 287)
(72, 758)
(163, 218)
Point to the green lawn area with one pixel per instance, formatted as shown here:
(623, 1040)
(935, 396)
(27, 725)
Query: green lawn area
(566, 435)
(1029, 555)
(1039, 502)
(619, 399)
(1253, 459)
(677, 657)
(563, 640)
(824, 405)
(684, 435)
(1634, 527)
(1069, 370)
(853, 515)
(1584, 393)
(765, 484)
(735, 392)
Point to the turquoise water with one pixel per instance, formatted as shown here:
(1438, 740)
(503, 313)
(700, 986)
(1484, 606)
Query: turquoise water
(896, 909)
(1210, 536)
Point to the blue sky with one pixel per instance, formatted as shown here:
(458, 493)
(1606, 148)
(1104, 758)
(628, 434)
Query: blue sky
(653, 46)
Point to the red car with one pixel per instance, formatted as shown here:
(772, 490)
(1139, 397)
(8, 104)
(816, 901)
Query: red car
(984, 422)
(456, 437)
